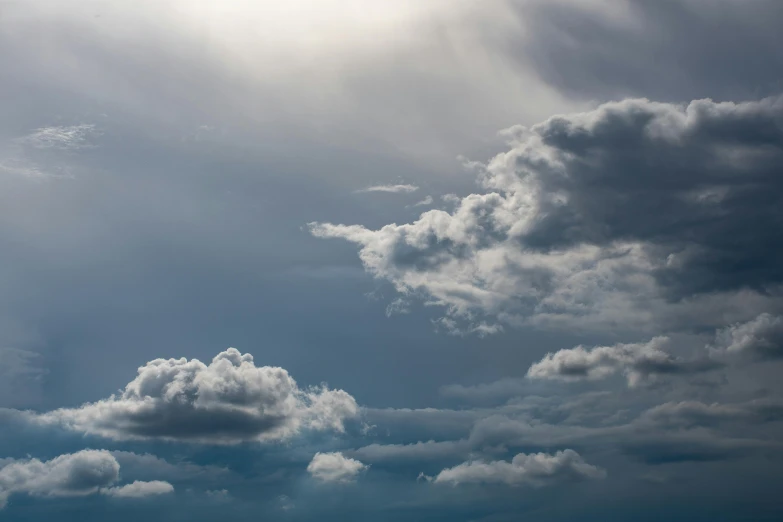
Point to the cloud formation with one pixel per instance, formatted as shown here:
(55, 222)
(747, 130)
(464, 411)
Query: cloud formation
(77, 474)
(139, 489)
(394, 189)
(229, 401)
(535, 469)
(335, 467)
(635, 214)
(639, 362)
(760, 338)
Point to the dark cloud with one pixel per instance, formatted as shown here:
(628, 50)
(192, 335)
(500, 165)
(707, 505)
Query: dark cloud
(231, 400)
(632, 215)
(667, 49)
(760, 338)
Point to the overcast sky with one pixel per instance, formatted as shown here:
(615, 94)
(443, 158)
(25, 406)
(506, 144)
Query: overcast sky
(391, 260)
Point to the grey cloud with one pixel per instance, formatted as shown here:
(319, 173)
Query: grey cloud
(503, 388)
(640, 362)
(77, 474)
(537, 469)
(139, 489)
(334, 467)
(668, 49)
(146, 466)
(21, 376)
(231, 400)
(696, 413)
(760, 338)
(418, 452)
(394, 189)
(635, 215)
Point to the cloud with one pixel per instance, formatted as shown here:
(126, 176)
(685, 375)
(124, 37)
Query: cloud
(229, 401)
(688, 414)
(536, 469)
(21, 376)
(419, 451)
(395, 189)
(634, 215)
(501, 389)
(334, 467)
(67, 138)
(77, 474)
(595, 50)
(760, 338)
(424, 202)
(639, 362)
(139, 489)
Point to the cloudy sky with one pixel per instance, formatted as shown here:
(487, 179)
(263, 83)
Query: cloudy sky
(391, 260)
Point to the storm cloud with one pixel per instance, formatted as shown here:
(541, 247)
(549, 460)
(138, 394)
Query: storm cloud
(635, 213)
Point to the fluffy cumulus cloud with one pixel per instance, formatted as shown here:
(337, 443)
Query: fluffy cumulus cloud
(140, 489)
(638, 361)
(335, 467)
(77, 474)
(635, 214)
(228, 401)
(535, 469)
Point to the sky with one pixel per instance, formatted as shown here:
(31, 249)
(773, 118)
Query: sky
(352, 260)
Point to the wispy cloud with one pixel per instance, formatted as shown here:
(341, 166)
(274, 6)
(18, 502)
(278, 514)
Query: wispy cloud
(72, 137)
(390, 188)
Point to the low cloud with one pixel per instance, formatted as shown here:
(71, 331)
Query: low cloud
(229, 401)
(72, 475)
(639, 362)
(139, 489)
(536, 469)
(760, 338)
(335, 467)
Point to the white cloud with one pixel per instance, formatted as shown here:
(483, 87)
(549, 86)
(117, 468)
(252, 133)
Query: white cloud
(139, 489)
(394, 189)
(535, 469)
(69, 138)
(231, 400)
(77, 474)
(424, 202)
(638, 361)
(334, 467)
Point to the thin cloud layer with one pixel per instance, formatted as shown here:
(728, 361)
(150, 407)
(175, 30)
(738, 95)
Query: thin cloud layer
(229, 401)
(616, 216)
(536, 469)
(334, 467)
(394, 189)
